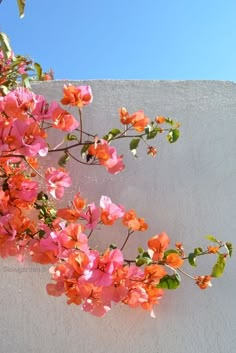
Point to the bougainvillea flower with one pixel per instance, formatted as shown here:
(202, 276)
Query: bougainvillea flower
(12, 228)
(19, 103)
(107, 156)
(174, 260)
(103, 267)
(72, 237)
(57, 180)
(79, 202)
(43, 110)
(160, 119)
(77, 96)
(63, 120)
(203, 282)
(115, 163)
(154, 294)
(124, 116)
(131, 221)
(213, 249)
(157, 245)
(23, 188)
(27, 138)
(136, 296)
(70, 215)
(110, 211)
(95, 304)
(153, 273)
(92, 216)
(43, 254)
(139, 121)
(152, 151)
(119, 288)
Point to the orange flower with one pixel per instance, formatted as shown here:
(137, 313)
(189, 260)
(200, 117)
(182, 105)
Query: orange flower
(100, 151)
(70, 215)
(79, 261)
(203, 282)
(78, 202)
(33, 162)
(179, 246)
(174, 260)
(131, 221)
(139, 121)
(124, 116)
(63, 120)
(153, 295)
(43, 257)
(152, 151)
(77, 96)
(154, 273)
(213, 249)
(158, 244)
(142, 225)
(160, 119)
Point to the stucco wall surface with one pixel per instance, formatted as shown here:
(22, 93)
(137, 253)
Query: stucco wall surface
(188, 191)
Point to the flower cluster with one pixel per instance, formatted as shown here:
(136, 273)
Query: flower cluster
(32, 224)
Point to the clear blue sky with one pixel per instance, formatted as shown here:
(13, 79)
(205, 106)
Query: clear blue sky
(126, 39)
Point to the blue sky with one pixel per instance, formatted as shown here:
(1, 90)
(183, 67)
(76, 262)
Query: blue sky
(126, 39)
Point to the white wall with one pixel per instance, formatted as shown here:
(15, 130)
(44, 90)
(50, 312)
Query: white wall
(188, 191)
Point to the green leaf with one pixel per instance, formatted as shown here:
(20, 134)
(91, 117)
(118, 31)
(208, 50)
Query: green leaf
(153, 133)
(5, 44)
(106, 137)
(38, 70)
(211, 238)
(25, 81)
(143, 259)
(133, 145)
(169, 282)
(198, 251)
(229, 247)
(173, 135)
(71, 137)
(112, 246)
(4, 89)
(219, 267)
(169, 121)
(21, 7)
(113, 133)
(84, 149)
(192, 259)
(41, 233)
(42, 196)
(63, 160)
(140, 250)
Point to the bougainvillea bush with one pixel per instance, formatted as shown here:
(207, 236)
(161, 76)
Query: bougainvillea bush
(33, 225)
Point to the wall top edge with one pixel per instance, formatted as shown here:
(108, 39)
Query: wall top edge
(139, 81)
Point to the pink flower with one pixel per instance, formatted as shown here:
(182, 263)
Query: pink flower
(57, 179)
(110, 211)
(107, 156)
(43, 110)
(19, 103)
(103, 267)
(115, 163)
(95, 306)
(25, 189)
(28, 138)
(92, 216)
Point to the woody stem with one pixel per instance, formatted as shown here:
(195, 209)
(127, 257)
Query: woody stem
(129, 233)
